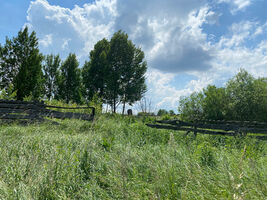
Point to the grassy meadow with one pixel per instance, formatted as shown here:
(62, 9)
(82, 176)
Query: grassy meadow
(120, 158)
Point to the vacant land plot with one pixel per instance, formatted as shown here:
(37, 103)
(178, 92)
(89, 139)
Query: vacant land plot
(121, 158)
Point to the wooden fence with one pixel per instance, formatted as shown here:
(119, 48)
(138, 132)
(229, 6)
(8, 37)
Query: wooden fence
(37, 111)
(212, 127)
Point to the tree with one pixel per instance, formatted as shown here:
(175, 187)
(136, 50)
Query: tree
(214, 103)
(95, 71)
(171, 112)
(241, 96)
(126, 77)
(115, 72)
(162, 112)
(191, 108)
(8, 67)
(145, 105)
(21, 64)
(260, 92)
(133, 82)
(51, 75)
(70, 80)
(244, 98)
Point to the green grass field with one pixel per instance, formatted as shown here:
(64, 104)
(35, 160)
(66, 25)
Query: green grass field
(121, 158)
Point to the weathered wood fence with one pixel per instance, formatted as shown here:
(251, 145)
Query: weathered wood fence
(212, 127)
(37, 111)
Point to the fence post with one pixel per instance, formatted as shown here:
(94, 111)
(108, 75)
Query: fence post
(93, 111)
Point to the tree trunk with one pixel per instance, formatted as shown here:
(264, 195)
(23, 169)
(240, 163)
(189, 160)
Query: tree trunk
(114, 105)
(123, 108)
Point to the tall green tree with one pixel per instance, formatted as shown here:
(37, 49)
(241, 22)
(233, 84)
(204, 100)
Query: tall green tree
(70, 80)
(214, 103)
(191, 107)
(21, 65)
(241, 94)
(260, 92)
(8, 64)
(51, 75)
(133, 79)
(115, 72)
(126, 77)
(95, 71)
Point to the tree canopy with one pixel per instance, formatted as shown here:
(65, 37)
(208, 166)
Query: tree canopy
(21, 65)
(51, 75)
(70, 80)
(243, 98)
(116, 71)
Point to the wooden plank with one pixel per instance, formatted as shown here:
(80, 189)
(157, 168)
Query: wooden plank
(8, 110)
(191, 130)
(21, 106)
(21, 102)
(14, 116)
(13, 109)
(233, 122)
(71, 108)
(216, 131)
(226, 126)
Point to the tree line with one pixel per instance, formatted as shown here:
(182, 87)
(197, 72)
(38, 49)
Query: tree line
(115, 72)
(244, 98)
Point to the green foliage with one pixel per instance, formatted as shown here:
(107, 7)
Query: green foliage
(243, 99)
(118, 157)
(95, 71)
(191, 108)
(205, 154)
(241, 96)
(20, 57)
(51, 75)
(8, 93)
(162, 112)
(260, 92)
(214, 103)
(70, 80)
(29, 98)
(115, 72)
(171, 112)
(97, 103)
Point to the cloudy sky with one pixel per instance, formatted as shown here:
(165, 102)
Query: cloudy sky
(188, 43)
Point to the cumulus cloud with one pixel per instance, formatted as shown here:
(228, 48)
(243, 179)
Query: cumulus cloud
(170, 32)
(71, 30)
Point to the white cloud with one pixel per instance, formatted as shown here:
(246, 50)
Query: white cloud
(237, 5)
(46, 41)
(75, 30)
(170, 32)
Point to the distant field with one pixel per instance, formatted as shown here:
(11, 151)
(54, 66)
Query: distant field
(121, 158)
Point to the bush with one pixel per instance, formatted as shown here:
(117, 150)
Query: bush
(205, 154)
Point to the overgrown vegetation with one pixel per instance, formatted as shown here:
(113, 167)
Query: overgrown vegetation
(120, 158)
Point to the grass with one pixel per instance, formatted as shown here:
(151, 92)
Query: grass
(121, 158)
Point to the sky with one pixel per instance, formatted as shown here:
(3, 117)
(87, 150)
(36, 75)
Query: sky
(188, 44)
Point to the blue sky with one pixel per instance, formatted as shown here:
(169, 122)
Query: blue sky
(188, 43)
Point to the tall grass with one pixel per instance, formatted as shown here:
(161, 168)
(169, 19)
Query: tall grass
(120, 158)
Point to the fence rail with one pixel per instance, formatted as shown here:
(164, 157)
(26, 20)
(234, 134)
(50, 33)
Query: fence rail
(212, 127)
(35, 110)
